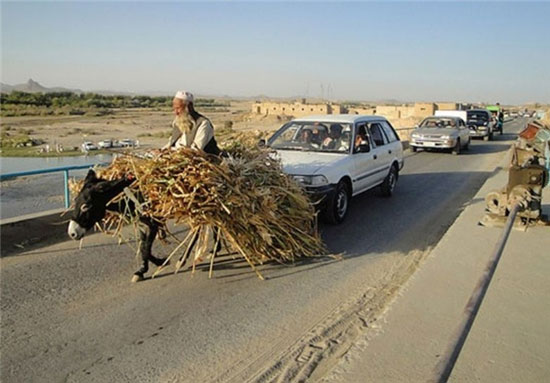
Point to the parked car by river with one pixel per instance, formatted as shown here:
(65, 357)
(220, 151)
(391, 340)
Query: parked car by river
(441, 132)
(105, 144)
(127, 143)
(335, 157)
(87, 146)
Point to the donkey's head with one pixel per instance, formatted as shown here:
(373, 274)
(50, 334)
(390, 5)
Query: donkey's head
(91, 203)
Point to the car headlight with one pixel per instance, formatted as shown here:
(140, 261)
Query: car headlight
(311, 180)
(445, 137)
(416, 135)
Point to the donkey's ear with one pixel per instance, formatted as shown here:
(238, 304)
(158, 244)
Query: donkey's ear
(90, 177)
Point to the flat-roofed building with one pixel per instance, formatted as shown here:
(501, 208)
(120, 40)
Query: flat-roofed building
(296, 109)
(447, 106)
(424, 109)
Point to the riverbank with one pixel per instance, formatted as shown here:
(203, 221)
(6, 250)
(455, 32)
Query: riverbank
(34, 152)
(151, 126)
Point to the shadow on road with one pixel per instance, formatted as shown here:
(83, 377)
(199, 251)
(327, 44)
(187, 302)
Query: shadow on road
(423, 207)
(484, 148)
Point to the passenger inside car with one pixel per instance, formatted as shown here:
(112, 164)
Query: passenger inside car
(446, 123)
(320, 132)
(307, 136)
(333, 139)
(360, 139)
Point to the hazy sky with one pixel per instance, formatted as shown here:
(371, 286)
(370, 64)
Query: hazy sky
(370, 51)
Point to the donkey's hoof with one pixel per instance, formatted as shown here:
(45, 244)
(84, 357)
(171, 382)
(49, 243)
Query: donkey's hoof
(137, 278)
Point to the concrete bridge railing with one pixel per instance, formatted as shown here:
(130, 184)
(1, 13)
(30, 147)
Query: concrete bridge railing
(18, 233)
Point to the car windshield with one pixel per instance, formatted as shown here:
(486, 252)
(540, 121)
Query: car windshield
(438, 123)
(312, 136)
(478, 116)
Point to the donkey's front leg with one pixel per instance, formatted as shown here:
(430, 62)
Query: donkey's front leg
(147, 233)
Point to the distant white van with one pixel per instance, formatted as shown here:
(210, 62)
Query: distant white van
(452, 113)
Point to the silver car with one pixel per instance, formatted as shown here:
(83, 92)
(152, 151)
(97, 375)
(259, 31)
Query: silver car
(441, 132)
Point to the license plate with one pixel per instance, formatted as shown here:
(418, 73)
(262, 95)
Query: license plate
(431, 144)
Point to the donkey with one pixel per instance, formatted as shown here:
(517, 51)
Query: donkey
(92, 203)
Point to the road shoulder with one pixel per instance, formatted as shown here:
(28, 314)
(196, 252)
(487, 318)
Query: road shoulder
(508, 341)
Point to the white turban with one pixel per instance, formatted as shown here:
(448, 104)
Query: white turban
(184, 95)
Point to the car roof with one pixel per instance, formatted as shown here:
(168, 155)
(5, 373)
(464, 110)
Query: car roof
(348, 118)
(478, 110)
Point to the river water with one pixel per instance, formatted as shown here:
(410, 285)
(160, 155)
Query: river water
(20, 164)
(32, 194)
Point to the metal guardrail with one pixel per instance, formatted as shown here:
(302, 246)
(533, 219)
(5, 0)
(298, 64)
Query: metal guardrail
(446, 363)
(64, 169)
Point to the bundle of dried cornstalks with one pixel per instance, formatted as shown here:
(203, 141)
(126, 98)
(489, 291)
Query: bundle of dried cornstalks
(244, 201)
(247, 138)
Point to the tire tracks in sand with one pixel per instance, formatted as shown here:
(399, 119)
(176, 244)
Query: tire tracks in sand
(315, 353)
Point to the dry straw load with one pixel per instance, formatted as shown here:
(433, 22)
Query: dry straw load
(261, 213)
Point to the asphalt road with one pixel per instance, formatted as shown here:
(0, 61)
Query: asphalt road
(73, 315)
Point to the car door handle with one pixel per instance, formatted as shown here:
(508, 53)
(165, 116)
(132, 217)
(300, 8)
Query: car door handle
(389, 151)
(375, 156)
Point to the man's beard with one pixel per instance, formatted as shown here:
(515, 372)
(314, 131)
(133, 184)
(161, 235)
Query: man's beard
(184, 122)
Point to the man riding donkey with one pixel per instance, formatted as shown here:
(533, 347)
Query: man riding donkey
(190, 130)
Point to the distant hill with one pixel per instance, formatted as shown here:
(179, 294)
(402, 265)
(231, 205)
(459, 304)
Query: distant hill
(5, 88)
(32, 86)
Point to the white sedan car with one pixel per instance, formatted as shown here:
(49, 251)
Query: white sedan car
(441, 132)
(105, 144)
(87, 146)
(127, 143)
(336, 157)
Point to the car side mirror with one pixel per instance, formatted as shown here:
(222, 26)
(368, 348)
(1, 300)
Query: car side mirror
(261, 143)
(363, 149)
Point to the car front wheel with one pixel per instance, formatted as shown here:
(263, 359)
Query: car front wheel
(337, 204)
